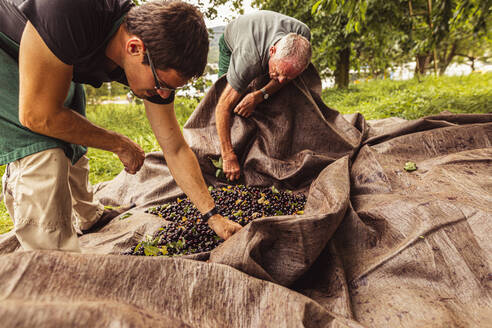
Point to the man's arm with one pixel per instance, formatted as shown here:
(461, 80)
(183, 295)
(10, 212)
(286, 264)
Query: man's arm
(43, 87)
(223, 110)
(184, 166)
(248, 104)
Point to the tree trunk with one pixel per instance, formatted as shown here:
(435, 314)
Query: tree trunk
(422, 61)
(342, 69)
(429, 12)
(447, 59)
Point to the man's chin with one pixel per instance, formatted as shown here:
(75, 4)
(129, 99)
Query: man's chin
(142, 95)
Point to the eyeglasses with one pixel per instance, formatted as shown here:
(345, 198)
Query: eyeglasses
(158, 86)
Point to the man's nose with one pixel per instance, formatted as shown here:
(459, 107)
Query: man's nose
(281, 79)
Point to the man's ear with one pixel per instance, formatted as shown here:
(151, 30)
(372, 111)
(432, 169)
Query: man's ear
(272, 50)
(135, 46)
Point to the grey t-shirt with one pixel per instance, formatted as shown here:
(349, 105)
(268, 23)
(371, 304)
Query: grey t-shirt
(250, 37)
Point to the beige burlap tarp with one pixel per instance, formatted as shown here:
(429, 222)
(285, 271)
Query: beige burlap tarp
(377, 246)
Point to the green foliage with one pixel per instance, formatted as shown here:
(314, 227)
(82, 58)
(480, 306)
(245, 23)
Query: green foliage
(211, 11)
(411, 100)
(354, 10)
(384, 33)
(217, 163)
(150, 247)
(219, 172)
(108, 90)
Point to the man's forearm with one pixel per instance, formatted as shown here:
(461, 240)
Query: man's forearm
(223, 121)
(68, 125)
(188, 175)
(223, 113)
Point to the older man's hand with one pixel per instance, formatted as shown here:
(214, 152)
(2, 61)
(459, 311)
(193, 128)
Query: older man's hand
(248, 104)
(231, 166)
(223, 227)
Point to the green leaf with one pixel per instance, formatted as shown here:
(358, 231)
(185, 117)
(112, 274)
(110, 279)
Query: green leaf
(151, 250)
(218, 173)
(275, 190)
(180, 244)
(217, 163)
(410, 166)
(314, 9)
(332, 6)
(210, 188)
(126, 216)
(357, 27)
(137, 248)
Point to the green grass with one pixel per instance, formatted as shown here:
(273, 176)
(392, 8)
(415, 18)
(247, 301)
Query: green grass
(128, 120)
(375, 99)
(132, 122)
(411, 99)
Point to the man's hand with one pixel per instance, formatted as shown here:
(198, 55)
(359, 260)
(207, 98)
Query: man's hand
(248, 104)
(223, 227)
(230, 165)
(131, 155)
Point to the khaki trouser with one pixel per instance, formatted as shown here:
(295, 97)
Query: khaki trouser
(45, 196)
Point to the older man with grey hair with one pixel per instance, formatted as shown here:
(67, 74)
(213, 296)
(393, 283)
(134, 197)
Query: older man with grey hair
(253, 45)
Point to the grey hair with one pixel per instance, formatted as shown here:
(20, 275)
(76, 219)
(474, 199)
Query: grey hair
(294, 48)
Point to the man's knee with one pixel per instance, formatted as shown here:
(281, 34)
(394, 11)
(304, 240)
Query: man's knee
(42, 201)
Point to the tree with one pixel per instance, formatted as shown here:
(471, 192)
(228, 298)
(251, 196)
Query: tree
(467, 34)
(442, 28)
(424, 27)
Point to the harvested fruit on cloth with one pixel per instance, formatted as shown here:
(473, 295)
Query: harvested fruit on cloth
(187, 233)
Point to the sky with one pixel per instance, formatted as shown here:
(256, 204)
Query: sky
(225, 13)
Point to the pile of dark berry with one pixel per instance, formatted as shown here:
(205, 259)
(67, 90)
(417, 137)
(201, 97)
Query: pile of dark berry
(186, 232)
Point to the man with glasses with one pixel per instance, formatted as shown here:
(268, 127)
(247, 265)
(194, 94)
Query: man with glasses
(154, 48)
(261, 43)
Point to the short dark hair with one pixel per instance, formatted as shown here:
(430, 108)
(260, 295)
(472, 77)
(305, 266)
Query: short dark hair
(174, 33)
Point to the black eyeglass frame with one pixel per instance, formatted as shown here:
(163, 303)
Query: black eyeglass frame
(158, 86)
